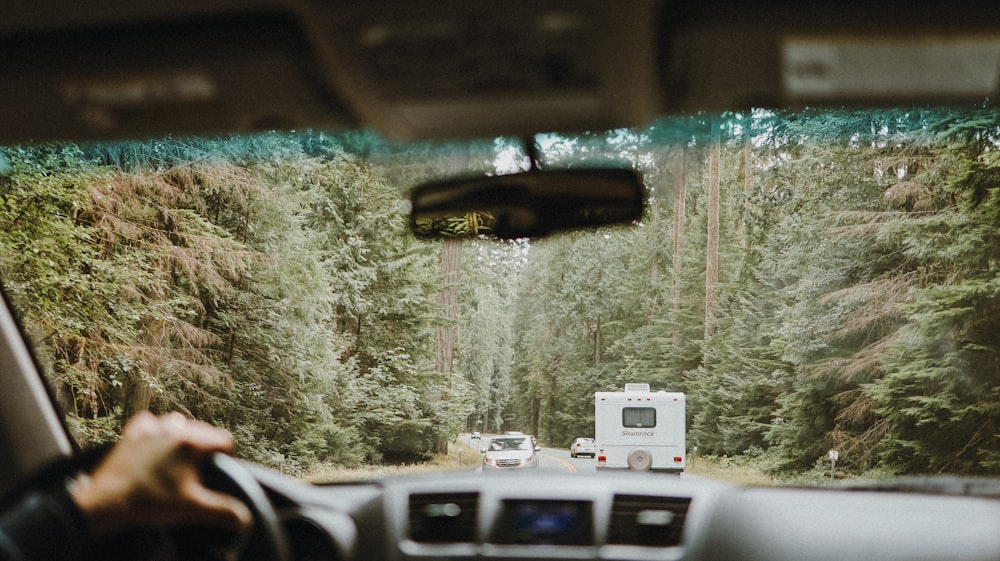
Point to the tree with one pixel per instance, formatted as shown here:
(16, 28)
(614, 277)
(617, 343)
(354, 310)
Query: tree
(444, 339)
(712, 247)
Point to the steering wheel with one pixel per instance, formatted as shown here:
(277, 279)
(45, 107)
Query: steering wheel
(267, 540)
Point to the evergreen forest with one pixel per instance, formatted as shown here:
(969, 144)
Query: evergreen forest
(812, 280)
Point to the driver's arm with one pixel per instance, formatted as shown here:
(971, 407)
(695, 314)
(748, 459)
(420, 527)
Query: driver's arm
(45, 525)
(149, 478)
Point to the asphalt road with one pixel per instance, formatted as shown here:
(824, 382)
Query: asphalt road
(551, 459)
(559, 459)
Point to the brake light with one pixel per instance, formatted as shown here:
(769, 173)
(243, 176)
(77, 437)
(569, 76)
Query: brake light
(678, 459)
(601, 460)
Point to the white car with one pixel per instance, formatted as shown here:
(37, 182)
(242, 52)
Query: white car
(583, 447)
(510, 452)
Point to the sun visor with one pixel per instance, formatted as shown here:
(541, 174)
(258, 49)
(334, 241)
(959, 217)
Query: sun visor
(239, 74)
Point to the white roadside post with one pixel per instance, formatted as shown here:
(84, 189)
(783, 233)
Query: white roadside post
(834, 455)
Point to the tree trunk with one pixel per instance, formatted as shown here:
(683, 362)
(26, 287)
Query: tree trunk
(598, 343)
(747, 188)
(444, 339)
(680, 214)
(138, 396)
(138, 393)
(712, 246)
(654, 270)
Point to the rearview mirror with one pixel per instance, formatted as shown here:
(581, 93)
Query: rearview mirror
(529, 204)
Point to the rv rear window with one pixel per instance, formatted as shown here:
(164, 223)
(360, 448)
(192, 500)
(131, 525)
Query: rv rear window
(638, 417)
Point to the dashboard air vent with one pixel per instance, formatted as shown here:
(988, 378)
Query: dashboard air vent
(647, 520)
(443, 518)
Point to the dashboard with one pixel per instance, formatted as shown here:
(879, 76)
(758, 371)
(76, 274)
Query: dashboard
(624, 517)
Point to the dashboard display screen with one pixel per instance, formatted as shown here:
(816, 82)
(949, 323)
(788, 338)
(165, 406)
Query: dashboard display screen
(536, 522)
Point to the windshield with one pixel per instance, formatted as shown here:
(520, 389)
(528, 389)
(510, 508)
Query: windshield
(500, 444)
(819, 284)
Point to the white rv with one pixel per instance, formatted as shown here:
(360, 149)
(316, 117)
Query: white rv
(640, 430)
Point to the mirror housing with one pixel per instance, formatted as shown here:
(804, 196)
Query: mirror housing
(528, 204)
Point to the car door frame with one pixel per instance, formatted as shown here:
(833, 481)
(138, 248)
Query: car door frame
(32, 432)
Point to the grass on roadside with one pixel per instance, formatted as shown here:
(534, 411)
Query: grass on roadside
(757, 472)
(723, 469)
(460, 457)
(743, 471)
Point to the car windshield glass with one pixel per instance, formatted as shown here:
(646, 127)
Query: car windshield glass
(500, 444)
(814, 281)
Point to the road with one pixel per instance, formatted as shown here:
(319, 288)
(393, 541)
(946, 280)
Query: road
(555, 459)
(559, 460)
(552, 459)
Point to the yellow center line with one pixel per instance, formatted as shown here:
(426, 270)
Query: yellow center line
(569, 467)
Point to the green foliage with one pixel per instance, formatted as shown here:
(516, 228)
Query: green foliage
(269, 284)
(857, 298)
(213, 276)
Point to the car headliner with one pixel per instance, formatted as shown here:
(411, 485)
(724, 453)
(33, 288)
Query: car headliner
(443, 69)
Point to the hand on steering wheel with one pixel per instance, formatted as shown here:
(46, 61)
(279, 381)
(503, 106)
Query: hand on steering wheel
(267, 540)
(171, 473)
